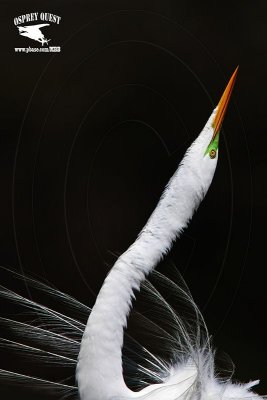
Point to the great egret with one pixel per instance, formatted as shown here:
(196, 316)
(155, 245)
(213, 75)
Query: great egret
(100, 376)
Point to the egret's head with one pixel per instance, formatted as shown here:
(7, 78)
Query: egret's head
(202, 155)
(217, 117)
(199, 164)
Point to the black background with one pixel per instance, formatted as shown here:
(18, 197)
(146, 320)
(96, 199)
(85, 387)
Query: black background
(90, 136)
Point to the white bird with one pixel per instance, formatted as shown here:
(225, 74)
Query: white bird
(34, 32)
(190, 372)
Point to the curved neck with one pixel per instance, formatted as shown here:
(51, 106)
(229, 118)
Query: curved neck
(99, 368)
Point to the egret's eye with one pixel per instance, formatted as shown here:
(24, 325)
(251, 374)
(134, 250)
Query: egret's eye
(212, 153)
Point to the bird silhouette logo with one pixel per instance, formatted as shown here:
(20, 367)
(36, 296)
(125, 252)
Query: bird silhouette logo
(34, 32)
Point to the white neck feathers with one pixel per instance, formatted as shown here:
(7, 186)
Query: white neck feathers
(99, 369)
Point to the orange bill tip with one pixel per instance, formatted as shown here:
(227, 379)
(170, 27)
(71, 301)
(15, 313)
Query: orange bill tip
(223, 103)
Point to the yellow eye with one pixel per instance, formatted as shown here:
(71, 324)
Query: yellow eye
(212, 153)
